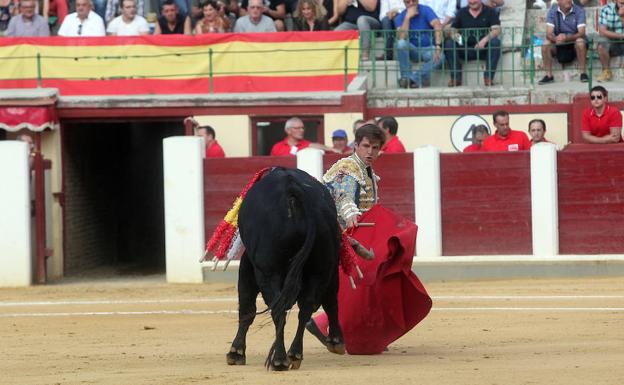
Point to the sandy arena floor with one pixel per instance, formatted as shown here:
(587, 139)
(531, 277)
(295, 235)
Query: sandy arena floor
(144, 331)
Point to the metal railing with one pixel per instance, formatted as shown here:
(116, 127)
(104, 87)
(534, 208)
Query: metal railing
(519, 57)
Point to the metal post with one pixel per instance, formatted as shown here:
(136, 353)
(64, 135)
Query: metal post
(346, 67)
(210, 79)
(39, 80)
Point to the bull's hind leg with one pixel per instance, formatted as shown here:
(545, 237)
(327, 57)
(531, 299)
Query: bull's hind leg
(247, 293)
(335, 340)
(295, 353)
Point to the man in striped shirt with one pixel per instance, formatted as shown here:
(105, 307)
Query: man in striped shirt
(611, 40)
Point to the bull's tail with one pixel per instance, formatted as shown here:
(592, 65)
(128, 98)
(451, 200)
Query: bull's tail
(293, 281)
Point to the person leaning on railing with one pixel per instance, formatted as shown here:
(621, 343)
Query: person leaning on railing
(421, 24)
(474, 36)
(128, 23)
(611, 40)
(310, 16)
(274, 9)
(565, 38)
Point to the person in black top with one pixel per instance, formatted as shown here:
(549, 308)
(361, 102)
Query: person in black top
(474, 36)
(310, 16)
(171, 22)
(362, 15)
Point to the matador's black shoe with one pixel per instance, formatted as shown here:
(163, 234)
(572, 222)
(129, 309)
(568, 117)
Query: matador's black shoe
(316, 332)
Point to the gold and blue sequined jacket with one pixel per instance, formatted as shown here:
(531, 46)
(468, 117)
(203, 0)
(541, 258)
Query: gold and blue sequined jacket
(353, 187)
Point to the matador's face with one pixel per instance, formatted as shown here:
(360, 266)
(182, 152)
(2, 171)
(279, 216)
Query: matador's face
(368, 151)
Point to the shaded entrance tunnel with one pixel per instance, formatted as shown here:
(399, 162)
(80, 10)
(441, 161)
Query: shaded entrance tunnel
(114, 200)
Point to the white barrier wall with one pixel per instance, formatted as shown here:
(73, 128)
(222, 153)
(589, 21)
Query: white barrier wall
(428, 201)
(184, 208)
(544, 200)
(310, 160)
(15, 241)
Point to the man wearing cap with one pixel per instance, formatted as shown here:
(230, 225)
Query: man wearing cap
(339, 142)
(390, 127)
(294, 141)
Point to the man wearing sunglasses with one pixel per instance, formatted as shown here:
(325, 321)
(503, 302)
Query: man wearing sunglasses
(83, 22)
(601, 122)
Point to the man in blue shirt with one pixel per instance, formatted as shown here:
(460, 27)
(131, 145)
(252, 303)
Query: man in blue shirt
(565, 38)
(423, 27)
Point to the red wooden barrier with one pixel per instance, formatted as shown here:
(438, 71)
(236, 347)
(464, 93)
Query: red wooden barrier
(486, 203)
(591, 200)
(225, 178)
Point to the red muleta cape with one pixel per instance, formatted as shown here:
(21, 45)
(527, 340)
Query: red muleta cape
(390, 300)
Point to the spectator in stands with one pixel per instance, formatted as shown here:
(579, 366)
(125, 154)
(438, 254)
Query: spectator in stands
(54, 12)
(505, 139)
(294, 140)
(254, 21)
(388, 11)
(213, 149)
(479, 134)
(171, 21)
(601, 123)
(339, 142)
(276, 10)
(390, 127)
(362, 15)
(8, 9)
(128, 23)
(537, 131)
(496, 5)
(611, 40)
(417, 46)
(114, 9)
(212, 22)
(28, 23)
(444, 9)
(83, 22)
(475, 37)
(565, 38)
(310, 16)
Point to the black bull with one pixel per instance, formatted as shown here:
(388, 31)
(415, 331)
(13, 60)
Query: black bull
(288, 225)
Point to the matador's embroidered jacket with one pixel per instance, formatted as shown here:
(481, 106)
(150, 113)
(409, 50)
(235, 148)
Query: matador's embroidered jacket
(353, 187)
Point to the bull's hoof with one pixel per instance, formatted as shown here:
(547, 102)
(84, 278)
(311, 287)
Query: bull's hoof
(295, 360)
(336, 347)
(280, 366)
(236, 357)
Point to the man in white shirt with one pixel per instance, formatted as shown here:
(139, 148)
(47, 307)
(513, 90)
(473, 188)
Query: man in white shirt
(128, 23)
(83, 22)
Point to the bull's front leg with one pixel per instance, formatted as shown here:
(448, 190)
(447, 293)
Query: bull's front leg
(247, 294)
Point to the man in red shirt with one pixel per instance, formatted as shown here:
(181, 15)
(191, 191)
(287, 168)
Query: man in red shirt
(505, 139)
(213, 149)
(390, 127)
(601, 122)
(479, 134)
(294, 141)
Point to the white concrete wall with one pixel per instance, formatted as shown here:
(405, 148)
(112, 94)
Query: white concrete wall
(428, 201)
(15, 242)
(310, 160)
(184, 208)
(544, 200)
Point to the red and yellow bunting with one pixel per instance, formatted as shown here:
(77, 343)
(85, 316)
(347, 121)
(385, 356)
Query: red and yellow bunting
(219, 63)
